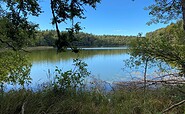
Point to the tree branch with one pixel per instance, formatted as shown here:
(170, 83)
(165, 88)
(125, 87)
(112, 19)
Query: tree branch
(173, 106)
(8, 44)
(55, 19)
(183, 13)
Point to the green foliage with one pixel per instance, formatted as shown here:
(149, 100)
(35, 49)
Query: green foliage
(166, 44)
(49, 37)
(45, 38)
(15, 30)
(165, 10)
(14, 68)
(71, 79)
(90, 40)
(68, 10)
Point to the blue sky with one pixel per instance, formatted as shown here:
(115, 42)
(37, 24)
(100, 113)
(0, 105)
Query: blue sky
(111, 17)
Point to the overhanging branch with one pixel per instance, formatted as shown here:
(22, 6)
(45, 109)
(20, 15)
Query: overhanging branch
(8, 44)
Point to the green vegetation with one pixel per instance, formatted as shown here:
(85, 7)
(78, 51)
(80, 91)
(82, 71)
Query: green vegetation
(68, 92)
(49, 37)
(166, 44)
(14, 69)
(164, 11)
(69, 10)
(16, 31)
(127, 101)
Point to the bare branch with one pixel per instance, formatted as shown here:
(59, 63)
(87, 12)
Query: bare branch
(173, 106)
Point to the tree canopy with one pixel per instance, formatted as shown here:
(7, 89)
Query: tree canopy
(165, 10)
(165, 44)
(15, 29)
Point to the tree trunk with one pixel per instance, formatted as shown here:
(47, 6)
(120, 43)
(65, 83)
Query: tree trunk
(183, 13)
(183, 70)
(146, 67)
(55, 19)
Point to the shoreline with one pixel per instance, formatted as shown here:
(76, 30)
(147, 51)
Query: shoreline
(38, 48)
(51, 47)
(30, 48)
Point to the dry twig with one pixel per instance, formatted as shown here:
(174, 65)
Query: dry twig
(173, 106)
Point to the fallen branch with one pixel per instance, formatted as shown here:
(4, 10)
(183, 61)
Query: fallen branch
(170, 81)
(173, 106)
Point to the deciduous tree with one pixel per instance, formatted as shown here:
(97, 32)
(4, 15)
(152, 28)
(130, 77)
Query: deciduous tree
(165, 10)
(15, 29)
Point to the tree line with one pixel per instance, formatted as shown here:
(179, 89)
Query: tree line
(49, 38)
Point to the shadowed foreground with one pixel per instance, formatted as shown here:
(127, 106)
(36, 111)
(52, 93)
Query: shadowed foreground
(48, 100)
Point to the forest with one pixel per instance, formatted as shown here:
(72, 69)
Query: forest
(49, 37)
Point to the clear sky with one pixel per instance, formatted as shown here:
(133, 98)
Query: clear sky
(111, 17)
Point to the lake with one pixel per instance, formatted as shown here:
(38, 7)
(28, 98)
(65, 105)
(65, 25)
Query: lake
(104, 63)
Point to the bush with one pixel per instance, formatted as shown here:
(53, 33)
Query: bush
(71, 79)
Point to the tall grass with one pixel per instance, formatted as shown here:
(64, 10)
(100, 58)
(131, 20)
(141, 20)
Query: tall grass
(85, 101)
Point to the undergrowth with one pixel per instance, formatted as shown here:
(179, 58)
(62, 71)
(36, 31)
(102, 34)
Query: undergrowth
(50, 101)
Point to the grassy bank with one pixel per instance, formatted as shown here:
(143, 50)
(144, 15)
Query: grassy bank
(93, 101)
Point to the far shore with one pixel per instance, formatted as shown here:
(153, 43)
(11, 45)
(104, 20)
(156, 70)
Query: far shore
(30, 48)
(38, 48)
(51, 47)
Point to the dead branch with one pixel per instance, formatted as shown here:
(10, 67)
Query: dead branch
(141, 83)
(173, 106)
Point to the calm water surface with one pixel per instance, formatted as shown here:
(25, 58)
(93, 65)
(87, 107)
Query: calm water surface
(103, 63)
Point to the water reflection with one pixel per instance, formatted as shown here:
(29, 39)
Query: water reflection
(52, 55)
(105, 64)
